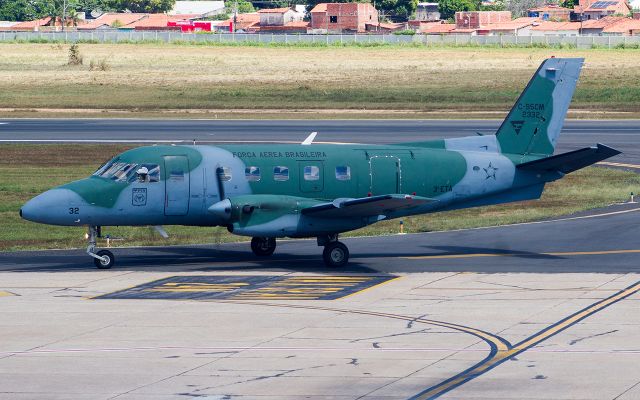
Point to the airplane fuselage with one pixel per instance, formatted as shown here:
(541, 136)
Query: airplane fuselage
(190, 179)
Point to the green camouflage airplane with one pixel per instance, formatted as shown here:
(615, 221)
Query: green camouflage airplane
(271, 191)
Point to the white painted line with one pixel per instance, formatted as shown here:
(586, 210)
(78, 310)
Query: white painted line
(158, 141)
(89, 141)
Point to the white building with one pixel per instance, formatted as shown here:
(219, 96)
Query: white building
(278, 16)
(428, 12)
(202, 8)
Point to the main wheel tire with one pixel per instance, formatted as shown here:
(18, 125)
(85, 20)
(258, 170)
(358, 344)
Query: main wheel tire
(263, 247)
(335, 254)
(107, 263)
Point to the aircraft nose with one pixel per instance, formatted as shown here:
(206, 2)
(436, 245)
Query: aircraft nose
(54, 206)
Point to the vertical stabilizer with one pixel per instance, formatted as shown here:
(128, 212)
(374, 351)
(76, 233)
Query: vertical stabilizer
(535, 121)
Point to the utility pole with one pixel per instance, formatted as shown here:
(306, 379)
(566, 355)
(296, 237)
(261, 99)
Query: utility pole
(235, 15)
(64, 15)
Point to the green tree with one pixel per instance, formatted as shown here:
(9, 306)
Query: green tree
(448, 8)
(142, 6)
(243, 6)
(87, 6)
(568, 3)
(495, 6)
(18, 10)
(396, 10)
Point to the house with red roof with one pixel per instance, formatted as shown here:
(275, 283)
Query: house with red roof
(34, 25)
(517, 27)
(550, 12)
(596, 9)
(551, 28)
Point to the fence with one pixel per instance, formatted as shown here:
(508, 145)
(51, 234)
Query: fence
(114, 36)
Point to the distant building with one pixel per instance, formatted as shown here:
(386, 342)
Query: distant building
(597, 26)
(342, 17)
(111, 21)
(550, 12)
(279, 16)
(282, 20)
(476, 19)
(596, 9)
(549, 28)
(34, 25)
(518, 27)
(386, 27)
(427, 12)
(627, 27)
(201, 8)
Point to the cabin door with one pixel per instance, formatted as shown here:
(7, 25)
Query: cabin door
(385, 175)
(176, 199)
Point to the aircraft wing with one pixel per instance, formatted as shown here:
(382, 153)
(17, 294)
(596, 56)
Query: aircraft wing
(571, 161)
(366, 206)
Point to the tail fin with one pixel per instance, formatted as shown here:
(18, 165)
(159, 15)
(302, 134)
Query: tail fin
(535, 121)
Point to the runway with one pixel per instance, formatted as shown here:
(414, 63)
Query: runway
(620, 134)
(530, 311)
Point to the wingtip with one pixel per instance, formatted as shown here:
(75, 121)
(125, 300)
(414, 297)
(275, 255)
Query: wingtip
(602, 148)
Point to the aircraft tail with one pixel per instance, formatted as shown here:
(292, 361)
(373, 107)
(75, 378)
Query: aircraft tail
(535, 121)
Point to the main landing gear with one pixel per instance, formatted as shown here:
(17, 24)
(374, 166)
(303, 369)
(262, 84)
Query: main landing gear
(335, 253)
(103, 259)
(263, 246)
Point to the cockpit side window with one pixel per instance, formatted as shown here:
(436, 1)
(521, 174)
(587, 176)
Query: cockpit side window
(127, 172)
(152, 175)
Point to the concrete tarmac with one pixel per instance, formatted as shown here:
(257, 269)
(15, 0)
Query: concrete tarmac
(620, 134)
(531, 311)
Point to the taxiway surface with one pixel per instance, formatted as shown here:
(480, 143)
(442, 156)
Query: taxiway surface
(623, 135)
(531, 311)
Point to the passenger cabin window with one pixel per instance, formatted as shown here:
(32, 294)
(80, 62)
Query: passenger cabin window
(252, 174)
(280, 173)
(343, 173)
(119, 171)
(311, 173)
(333, 19)
(224, 173)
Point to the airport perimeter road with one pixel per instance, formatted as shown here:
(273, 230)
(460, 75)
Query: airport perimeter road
(532, 311)
(623, 135)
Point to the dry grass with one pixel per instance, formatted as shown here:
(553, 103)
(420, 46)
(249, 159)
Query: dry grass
(156, 77)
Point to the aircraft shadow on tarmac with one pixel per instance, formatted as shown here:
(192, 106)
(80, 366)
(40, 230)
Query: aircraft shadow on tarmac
(211, 259)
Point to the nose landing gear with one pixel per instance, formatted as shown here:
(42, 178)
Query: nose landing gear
(103, 259)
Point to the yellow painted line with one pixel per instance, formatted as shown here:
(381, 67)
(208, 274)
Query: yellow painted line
(566, 253)
(503, 353)
(614, 164)
(370, 287)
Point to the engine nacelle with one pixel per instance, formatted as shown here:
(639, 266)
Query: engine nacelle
(276, 216)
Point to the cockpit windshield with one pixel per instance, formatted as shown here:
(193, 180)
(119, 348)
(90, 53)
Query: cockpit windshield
(120, 171)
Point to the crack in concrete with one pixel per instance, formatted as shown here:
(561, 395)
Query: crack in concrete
(571, 343)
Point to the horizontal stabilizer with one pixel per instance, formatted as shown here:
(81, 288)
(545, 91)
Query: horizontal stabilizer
(366, 206)
(571, 161)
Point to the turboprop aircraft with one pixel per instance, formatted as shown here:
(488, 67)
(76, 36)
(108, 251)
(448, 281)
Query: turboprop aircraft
(271, 191)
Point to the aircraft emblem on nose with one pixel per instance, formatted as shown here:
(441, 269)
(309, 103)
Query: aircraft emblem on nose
(139, 197)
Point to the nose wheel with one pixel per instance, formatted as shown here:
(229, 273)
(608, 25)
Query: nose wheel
(263, 246)
(103, 259)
